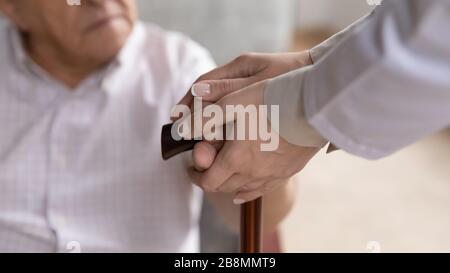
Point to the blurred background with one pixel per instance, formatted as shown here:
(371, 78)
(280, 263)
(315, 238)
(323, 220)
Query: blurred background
(345, 204)
(230, 27)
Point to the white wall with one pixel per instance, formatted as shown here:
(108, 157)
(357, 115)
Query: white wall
(226, 27)
(330, 13)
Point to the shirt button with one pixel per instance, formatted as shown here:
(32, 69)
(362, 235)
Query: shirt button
(60, 220)
(105, 85)
(61, 161)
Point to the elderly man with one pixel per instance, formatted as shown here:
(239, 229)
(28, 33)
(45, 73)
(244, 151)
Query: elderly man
(84, 92)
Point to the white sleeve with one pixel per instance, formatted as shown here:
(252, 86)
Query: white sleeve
(383, 87)
(190, 61)
(319, 51)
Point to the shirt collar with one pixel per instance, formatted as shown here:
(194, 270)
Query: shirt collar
(129, 51)
(18, 51)
(125, 61)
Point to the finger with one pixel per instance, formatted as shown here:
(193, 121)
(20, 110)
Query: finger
(249, 96)
(252, 95)
(194, 175)
(253, 185)
(265, 187)
(228, 71)
(234, 183)
(211, 179)
(240, 68)
(213, 90)
(204, 154)
(244, 197)
(205, 123)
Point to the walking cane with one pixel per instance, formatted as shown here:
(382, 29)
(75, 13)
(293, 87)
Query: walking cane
(251, 212)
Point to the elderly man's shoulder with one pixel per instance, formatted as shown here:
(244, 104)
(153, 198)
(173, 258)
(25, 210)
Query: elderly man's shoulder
(173, 46)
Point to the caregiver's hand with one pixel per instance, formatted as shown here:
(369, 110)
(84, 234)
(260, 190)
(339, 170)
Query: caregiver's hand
(240, 167)
(242, 72)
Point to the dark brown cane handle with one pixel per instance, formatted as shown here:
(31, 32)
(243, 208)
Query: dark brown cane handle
(171, 147)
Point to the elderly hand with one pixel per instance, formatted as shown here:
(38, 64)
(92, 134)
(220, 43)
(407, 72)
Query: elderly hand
(241, 167)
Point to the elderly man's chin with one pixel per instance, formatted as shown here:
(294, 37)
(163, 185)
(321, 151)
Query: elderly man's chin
(106, 39)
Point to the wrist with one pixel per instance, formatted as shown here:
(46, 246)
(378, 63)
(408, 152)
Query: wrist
(310, 59)
(303, 59)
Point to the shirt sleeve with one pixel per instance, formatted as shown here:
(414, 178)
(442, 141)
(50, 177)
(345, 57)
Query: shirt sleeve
(189, 60)
(319, 51)
(383, 87)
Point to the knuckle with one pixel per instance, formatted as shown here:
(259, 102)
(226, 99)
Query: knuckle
(257, 173)
(269, 187)
(261, 172)
(230, 160)
(250, 55)
(257, 194)
(280, 173)
(227, 164)
(205, 186)
(226, 189)
(208, 188)
(203, 77)
(201, 185)
(246, 57)
(223, 86)
(240, 58)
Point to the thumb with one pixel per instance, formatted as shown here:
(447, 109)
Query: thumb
(204, 154)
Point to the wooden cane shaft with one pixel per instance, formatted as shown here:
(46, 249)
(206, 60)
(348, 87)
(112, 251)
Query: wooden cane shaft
(251, 227)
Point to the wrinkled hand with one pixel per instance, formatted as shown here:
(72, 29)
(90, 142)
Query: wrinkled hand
(240, 167)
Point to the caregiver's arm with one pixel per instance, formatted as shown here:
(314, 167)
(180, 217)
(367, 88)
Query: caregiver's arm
(319, 51)
(381, 88)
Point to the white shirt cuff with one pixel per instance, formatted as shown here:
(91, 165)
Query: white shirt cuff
(319, 51)
(285, 91)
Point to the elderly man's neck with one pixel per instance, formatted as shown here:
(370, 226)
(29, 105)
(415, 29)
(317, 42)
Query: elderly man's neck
(68, 68)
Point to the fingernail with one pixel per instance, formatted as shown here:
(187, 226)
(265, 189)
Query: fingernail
(238, 201)
(200, 89)
(244, 188)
